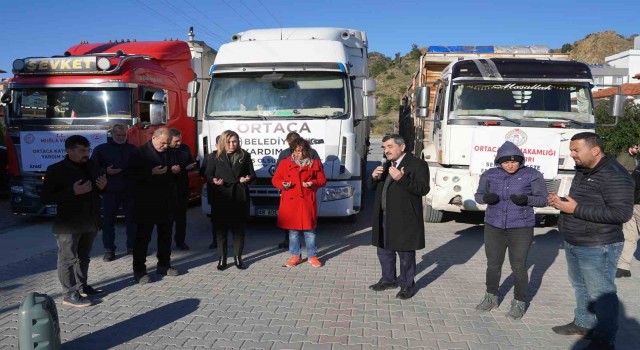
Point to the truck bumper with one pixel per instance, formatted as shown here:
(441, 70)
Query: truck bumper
(266, 199)
(25, 198)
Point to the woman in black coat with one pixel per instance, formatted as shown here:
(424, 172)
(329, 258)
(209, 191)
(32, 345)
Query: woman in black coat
(229, 172)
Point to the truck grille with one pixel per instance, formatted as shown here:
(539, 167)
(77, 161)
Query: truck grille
(553, 185)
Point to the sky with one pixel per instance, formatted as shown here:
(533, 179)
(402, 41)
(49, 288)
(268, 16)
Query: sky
(43, 28)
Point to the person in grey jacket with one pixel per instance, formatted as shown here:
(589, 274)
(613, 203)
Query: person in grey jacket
(510, 190)
(599, 202)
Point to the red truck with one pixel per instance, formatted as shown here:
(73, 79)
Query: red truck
(91, 86)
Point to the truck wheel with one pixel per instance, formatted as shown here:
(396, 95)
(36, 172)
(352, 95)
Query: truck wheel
(431, 215)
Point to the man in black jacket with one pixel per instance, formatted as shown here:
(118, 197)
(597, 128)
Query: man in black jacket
(398, 225)
(75, 187)
(599, 202)
(154, 200)
(183, 162)
(111, 159)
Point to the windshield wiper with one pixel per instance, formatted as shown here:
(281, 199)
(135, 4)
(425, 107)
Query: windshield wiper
(514, 121)
(239, 116)
(566, 120)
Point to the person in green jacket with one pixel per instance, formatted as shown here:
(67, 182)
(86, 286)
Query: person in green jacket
(629, 158)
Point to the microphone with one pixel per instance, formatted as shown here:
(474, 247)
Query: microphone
(383, 161)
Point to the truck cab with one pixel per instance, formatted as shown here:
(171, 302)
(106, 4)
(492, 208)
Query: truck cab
(538, 104)
(315, 81)
(85, 91)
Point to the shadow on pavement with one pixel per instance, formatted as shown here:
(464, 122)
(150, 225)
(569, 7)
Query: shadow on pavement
(457, 251)
(543, 252)
(628, 330)
(134, 327)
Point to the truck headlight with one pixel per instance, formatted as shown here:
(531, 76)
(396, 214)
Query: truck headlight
(17, 189)
(336, 193)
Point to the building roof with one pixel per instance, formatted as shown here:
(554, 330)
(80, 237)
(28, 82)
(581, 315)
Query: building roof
(608, 71)
(626, 89)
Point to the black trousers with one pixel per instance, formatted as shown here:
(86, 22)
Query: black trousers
(141, 246)
(496, 242)
(74, 252)
(407, 267)
(180, 218)
(222, 229)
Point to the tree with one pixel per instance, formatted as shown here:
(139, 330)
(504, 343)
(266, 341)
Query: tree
(566, 48)
(387, 104)
(397, 58)
(415, 52)
(627, 132)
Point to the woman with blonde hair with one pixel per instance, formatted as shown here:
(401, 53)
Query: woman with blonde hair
(229, 171)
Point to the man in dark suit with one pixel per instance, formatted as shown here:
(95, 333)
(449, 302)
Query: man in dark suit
(398, 225)
(74, 186)
(111, 158)
(183, 161)
(154, 200)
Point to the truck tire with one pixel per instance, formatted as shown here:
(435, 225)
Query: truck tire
(431, 215)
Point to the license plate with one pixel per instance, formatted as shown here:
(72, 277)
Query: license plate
(266, 212)
(51, 210)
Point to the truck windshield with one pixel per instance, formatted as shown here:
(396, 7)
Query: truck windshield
(518, 101)
(71, 104)
(277, 95)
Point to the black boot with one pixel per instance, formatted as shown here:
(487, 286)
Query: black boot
(238, 261)
(222, 263)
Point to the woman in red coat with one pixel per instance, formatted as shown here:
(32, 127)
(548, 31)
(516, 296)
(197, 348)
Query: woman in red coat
(299, 177)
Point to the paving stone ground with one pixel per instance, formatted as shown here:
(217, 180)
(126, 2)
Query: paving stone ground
(272, 307)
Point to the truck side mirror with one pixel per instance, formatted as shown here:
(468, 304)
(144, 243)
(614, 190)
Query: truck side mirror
(6, 97)
(368, 86)
(422, 101)
(193, 87)
(369, 106)
(158, 109)
(616, 105)
(192, 103)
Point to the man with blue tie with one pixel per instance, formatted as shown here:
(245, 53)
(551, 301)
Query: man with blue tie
(398, 225)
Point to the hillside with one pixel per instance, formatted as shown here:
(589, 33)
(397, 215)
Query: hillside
(392, 75)
(595, 47)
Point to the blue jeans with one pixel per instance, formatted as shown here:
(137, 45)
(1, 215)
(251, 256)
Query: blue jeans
(309, 241)
(592, 271)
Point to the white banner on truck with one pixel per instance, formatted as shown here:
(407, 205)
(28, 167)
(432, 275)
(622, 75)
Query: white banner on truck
(264, 140)
(39, 149)
(540, 148)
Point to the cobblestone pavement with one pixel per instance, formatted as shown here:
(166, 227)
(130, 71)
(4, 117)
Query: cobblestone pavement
(272, 307)
(8, 220)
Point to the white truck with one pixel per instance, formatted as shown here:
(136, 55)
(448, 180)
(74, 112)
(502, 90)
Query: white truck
(314, 81)
(461, 106)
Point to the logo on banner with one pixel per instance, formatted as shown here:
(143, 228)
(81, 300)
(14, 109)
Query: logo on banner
(517, 137)
(29, 138)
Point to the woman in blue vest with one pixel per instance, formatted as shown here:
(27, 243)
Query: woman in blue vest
(510, 190)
